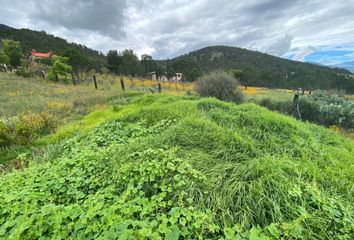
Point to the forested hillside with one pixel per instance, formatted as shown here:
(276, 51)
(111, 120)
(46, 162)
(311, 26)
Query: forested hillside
(257, 69)
(44, 42)
(260, 69)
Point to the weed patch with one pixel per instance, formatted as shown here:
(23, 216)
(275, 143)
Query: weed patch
(167, 167)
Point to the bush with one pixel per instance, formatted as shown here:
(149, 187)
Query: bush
(322, 107)
(60, 68)
(5, 138)
(25, 128)
(333, 109)
(23, 73)
(279, 106)
(219, 85)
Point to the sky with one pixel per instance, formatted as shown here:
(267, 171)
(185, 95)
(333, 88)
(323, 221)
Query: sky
(319, 31)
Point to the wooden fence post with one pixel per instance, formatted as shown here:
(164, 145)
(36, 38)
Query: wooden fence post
(73, 78)
(296, 106)
(159, 87)
(94, 81)
(122, 84)
(43, 74)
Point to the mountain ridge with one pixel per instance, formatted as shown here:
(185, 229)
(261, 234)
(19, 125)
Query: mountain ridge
(44, 42)
(259, 69)
(262, 69)
(346, 65)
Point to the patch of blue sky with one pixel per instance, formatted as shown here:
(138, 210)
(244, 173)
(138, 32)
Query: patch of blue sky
(330, 57)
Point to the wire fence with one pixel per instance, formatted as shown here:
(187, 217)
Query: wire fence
(104, 81)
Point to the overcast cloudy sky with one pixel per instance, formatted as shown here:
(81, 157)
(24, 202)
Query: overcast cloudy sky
(305, 30)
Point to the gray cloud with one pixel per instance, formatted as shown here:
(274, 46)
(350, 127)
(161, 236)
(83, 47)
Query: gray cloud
(101, 16)
(171, 27)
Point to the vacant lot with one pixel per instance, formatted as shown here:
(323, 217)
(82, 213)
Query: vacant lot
(167, 167)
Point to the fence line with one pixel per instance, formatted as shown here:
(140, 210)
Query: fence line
(104, 81)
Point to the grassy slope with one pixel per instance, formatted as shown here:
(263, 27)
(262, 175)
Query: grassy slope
(168, 166)
(66, 101)
(63, 102)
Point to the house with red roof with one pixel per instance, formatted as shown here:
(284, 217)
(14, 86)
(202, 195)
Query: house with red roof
(38, 55)
(34, 55)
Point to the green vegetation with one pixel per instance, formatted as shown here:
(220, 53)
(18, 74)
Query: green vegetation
(100, 164)
(60, 68)
(188, 67)
(255, 94)
(263, 70)
(43, 42)
(219, 85)
(125, 63)
(321, 107)
(76, 60)
(168, 167)
(12, 52)
(251, 68)
(31, 108)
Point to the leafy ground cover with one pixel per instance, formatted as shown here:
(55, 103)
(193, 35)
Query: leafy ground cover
(169, 167)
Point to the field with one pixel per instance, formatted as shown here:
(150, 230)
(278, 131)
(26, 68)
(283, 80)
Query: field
(66, 101)
(143, 165)
(257, 93)
(172, 167)
(34, 107)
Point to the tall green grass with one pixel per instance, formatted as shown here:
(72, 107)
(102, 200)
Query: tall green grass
(185, 168)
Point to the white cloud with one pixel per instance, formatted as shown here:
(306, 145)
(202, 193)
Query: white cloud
(350, 55)
(301, 53)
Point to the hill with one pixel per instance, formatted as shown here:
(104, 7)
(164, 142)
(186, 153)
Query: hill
(261, 69)
(44, 42)
(169, 167)
(3, 26)
(347, 65)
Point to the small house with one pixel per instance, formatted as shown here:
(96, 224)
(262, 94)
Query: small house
(38, 55)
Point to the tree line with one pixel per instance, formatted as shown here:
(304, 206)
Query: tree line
(125, 62)
(255, 68)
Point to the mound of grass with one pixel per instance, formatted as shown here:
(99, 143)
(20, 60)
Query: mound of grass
(186, 168)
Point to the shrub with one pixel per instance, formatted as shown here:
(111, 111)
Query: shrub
(322, 107)
(219, 85)
(279, 106)
(25, 128)
(60, 68)
(23, 73)
(333, 109)
(5, 139)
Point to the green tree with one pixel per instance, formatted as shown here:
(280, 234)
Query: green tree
(170, 72)
(13, 50)
(3, 57)
(147, 63)
(186, 66)
(113, 60)
(193, 74)
(236, 73)
(76, 60)
(60, 67)
(130, 64)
